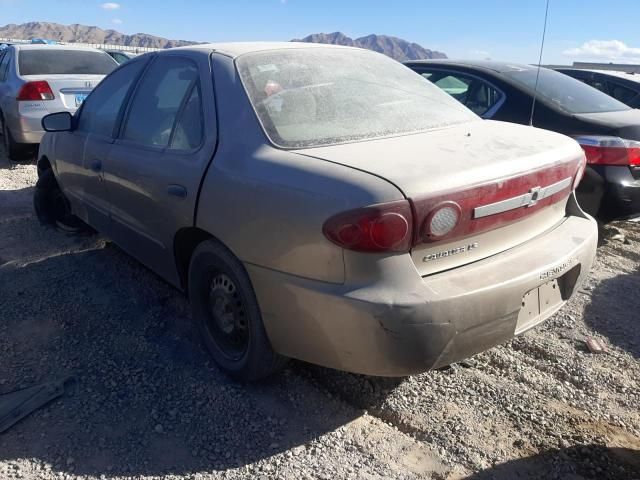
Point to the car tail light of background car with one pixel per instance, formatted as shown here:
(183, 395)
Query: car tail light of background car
(397, 227)
(39, 90)
(602, 150)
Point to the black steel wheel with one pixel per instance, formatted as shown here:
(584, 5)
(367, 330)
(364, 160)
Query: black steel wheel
(227, 314)
(52, 207)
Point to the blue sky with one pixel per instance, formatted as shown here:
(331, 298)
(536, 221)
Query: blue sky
(497, 29)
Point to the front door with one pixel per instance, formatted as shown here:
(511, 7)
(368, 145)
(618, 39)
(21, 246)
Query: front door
(155, 167)
(81, 153)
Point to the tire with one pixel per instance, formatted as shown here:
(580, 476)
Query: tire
(15, 151)
(52, 207)
(227, 314)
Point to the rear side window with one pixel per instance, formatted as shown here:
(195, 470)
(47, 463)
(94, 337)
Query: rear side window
(158, 100)
(101, 109)
(64, 62)
(189, 128)
(619, 92)
(566, 93)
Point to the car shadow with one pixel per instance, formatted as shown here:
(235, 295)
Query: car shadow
(15, 203)
(573, 463)
(146, 400)
(611, 311)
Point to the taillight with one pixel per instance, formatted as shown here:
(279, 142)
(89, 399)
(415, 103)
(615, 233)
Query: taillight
(441, 220)
(386, 227)
(462, 213)
(401, 225)
(603, 150)
(39, 90)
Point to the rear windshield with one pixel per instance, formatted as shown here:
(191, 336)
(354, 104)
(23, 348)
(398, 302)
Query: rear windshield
(566, 92)
(322, 96)
(60, 62)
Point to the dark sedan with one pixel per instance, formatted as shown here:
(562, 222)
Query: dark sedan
(619, 85)
(608, 130)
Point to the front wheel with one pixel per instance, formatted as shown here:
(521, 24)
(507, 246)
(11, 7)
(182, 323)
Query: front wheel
(52, 207)
(227, 314)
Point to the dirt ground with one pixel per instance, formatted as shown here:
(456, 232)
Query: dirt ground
(147, 402)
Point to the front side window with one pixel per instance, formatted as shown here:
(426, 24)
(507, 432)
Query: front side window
(4, 65)
(50, 61)
(565, 92)
(158, 99)
(320, 96)
(100, 110)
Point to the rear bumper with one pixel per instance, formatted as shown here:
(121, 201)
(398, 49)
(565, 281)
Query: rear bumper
(27, 128)
(622, 191)
(610, 191)
(405, 324)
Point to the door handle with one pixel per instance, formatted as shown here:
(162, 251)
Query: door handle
(177, 191)
(96, 165)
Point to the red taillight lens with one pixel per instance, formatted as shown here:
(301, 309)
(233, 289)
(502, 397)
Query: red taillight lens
(39, 90)
(385, 227)
(602, 150)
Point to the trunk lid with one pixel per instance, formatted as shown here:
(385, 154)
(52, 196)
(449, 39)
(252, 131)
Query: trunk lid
(486, 164)
(69, 90)
(624, 124)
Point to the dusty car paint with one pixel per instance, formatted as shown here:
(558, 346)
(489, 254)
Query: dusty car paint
(381, 314)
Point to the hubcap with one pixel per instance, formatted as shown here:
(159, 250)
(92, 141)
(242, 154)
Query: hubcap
(227, 324)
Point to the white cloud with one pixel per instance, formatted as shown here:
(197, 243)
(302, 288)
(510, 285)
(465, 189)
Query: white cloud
(116, 21)
(110, 6)
(605, 51)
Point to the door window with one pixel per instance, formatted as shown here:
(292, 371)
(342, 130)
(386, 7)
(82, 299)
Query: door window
(101, 109)
(477, 95)
(189, 127)
(619, 92)
(158, 100)
(4, 65)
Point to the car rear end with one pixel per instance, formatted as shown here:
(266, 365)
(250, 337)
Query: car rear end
(613, 156)
(483, 241)
(52, 79)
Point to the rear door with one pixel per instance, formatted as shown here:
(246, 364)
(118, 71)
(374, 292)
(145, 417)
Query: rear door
(80, 153)
(154, 169)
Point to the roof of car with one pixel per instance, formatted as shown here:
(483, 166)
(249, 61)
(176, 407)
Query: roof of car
(235, 49)
(483, 64)
(42, 46)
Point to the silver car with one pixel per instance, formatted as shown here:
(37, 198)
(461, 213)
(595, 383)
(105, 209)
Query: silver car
(323, 203)
(36, 80)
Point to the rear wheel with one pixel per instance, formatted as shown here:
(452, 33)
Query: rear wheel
(52, 207)
(228, 318)
(15, 151)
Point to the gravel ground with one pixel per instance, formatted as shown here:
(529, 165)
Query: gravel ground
(147, 403)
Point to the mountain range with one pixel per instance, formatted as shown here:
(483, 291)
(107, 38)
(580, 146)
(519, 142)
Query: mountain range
(86, 34)
(394, 47)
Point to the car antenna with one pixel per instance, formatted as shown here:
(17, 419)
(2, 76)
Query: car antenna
(535, 89)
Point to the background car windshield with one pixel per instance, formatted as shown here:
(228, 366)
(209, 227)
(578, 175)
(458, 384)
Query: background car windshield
(61, 62)
(317, 96)
(569, 94)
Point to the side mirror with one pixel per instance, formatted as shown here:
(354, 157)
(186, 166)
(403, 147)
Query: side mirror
(58, 122)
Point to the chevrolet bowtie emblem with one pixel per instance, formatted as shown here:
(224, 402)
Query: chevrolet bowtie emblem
(535, 196)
